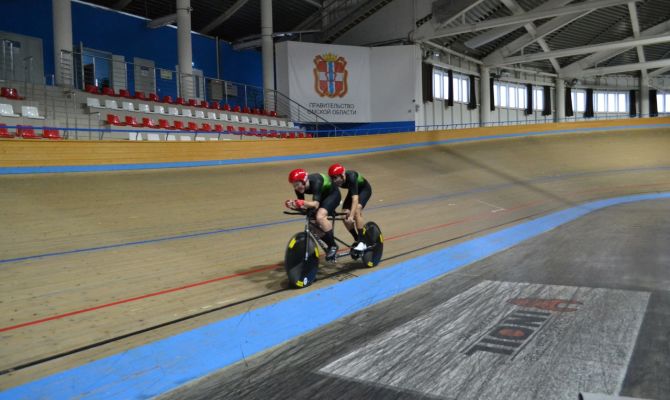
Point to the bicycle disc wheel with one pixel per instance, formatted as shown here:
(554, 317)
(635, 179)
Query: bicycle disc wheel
(301, 272)
(372, 237)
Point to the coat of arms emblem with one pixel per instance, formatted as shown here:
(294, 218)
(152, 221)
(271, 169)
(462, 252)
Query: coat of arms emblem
(330, 75)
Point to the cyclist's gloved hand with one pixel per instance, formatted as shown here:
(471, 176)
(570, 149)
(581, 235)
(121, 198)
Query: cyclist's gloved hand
(299, 203)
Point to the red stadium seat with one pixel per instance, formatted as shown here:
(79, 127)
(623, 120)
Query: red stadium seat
(226, 107)
(283, 135)
(27, 132)
(206, 127)
(178, 125)
(4, 133)
(167, 99)
(204, 104)
(108, 91)
(149, 123)
(113, 120)
(246, 110)
(153, 97)
(273, 113)
(193, 102)
(253, 132)
(214, 105)
(124, 93)
(139, 95)
(180, 101)
(192, 126)
(4, 92)
(256, 111)
(51, 133)
(131, 121)
(164, 124)
(237, 109)
(218, 128)
(91, 89)
(309, 135)
(230, 129)
(301, 135)
(291, 135)
(274, 134)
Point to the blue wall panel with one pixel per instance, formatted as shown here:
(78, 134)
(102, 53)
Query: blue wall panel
(113, 32)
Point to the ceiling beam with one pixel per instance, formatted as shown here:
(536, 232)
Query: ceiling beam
(496, 33)
(522, 19)
(626, 68)
(574, 69)
(223, 17)
(635, 24)
(659, 71)
(162, 21)
(587, 49)
(314, 3)
(529, 39)
(121, 4)
(530, 27)
(454, 9)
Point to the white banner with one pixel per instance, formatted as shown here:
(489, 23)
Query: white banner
(332, 81)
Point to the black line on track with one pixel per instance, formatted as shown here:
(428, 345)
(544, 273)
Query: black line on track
(341, 271)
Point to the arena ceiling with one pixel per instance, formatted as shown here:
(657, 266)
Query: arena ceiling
(565, 37)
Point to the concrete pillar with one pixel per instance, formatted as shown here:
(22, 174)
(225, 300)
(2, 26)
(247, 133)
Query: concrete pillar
(184, 49)
(62, 22)
(484, 96)
(267, 48)
(644, 94)
(559, 95)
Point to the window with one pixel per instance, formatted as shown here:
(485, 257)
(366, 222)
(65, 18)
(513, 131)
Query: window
(512, 95)
(437, 84)
(663, 102)
(538, 99)
(579, 100)
(610, 102)
(441, 86)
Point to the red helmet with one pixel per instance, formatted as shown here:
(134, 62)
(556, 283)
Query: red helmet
(335, 170)
(297, 175)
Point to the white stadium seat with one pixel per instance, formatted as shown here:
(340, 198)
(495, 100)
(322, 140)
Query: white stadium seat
(30, 112)
(93, 102)
(111, 104)
(6, 110)
(143, 108)
(128, 106)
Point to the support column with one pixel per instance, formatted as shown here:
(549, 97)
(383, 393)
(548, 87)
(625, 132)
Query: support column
(184, 48)
(267, 48)
(485, 96)
(560, 100)
(644, 94)
(62, 22)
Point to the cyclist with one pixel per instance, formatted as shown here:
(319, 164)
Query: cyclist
(325, 199)
(359, 192)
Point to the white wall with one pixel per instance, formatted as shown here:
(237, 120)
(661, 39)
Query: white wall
(392, 86)
(378, 29)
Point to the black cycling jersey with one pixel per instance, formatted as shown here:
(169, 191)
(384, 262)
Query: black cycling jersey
(320, 186)
(357, 186)
(354, 182)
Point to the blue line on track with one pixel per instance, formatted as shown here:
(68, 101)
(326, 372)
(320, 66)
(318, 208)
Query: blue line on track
(158, 367)
(209, 163)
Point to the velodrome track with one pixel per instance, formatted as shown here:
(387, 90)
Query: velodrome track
(98, 263)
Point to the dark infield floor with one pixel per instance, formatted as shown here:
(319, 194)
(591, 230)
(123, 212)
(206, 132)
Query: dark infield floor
(584, 307)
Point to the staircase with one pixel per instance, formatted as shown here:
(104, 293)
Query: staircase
(339, 16)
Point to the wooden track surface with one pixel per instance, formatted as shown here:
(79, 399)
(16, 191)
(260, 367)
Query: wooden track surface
(126, 251)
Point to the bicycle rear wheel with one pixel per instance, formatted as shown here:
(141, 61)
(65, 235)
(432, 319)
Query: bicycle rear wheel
(372, 237)
(301, 272)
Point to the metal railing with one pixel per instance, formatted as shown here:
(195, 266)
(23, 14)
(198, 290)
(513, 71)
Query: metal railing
(165, 82)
